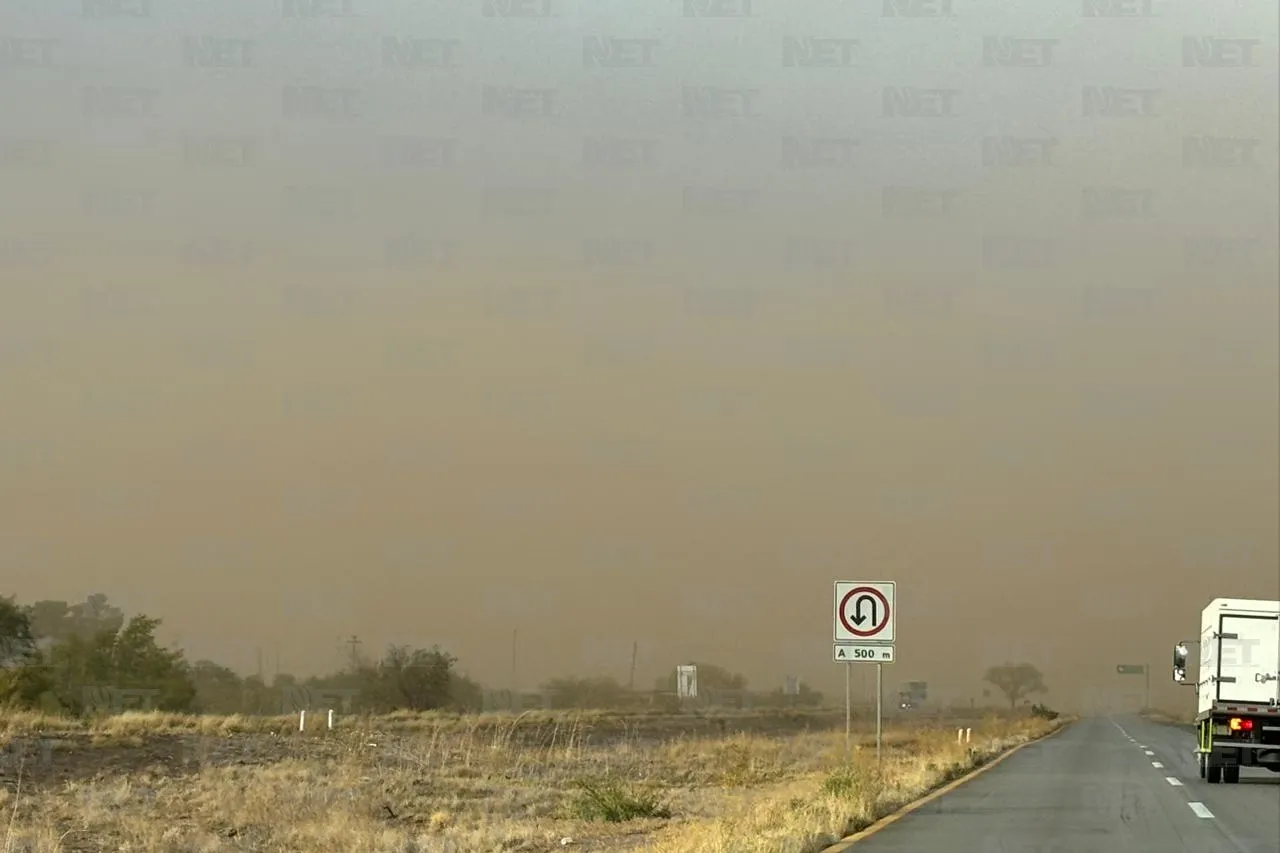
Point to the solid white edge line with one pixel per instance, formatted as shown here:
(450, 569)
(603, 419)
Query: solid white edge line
(1201, 810)
(1174, 781)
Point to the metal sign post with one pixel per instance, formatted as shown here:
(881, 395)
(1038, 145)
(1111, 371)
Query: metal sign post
(848, 715)
(879, 708)
(1142, 669)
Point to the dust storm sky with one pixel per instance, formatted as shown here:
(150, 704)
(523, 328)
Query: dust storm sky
(622, 322)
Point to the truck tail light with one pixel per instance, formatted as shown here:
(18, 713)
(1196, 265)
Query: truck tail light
(1238, 724)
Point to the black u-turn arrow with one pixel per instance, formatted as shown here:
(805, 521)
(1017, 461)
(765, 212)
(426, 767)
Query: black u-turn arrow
(858, 618)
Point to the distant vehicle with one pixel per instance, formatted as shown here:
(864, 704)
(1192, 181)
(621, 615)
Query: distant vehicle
(1238, 685)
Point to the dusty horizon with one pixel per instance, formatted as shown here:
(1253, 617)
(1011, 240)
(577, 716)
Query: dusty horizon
(665, 388)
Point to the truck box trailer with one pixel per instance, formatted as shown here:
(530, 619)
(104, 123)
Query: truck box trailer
(1237, 687)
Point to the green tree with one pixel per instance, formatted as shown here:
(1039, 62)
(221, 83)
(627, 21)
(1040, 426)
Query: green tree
(465, 694)
(127, 658)
(218, 689)
(58, 620)
(23, 678)
(1016, 681)
(17, 643)
(416, 679)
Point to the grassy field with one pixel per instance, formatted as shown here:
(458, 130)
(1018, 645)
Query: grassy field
(427, 783)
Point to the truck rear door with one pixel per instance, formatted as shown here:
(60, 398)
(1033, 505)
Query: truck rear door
(1249, 657)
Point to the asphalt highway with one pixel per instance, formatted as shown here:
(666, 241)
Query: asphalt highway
(1110, 785)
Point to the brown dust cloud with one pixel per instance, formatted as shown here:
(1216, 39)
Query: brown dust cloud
(653, 345)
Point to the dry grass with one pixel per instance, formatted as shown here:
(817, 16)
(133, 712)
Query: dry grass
(146, 783)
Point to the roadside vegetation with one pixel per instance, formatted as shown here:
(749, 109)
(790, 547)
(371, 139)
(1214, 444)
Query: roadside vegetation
(491, 782)
(417, 762)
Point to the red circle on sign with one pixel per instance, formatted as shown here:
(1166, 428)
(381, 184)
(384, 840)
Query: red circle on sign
(875, 629)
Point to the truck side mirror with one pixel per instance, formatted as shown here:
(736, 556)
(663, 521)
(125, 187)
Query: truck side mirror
(1180, 663)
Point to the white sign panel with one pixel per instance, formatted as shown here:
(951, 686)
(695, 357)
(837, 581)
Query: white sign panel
(865, 611)
(687, 682)
(868, 653)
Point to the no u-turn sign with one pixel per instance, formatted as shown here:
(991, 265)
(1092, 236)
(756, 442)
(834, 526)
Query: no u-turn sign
(865, 611)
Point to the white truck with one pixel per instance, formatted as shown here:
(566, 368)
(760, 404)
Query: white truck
(1238, 685)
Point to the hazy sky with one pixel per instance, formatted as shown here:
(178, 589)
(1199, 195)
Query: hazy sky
(620, 322)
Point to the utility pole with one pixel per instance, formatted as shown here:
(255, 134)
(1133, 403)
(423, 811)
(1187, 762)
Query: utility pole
(631, 682)
(354, 642)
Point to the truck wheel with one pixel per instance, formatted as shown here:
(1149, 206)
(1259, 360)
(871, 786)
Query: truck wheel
(1213, 774)
(1231, 775)
(1201, 761)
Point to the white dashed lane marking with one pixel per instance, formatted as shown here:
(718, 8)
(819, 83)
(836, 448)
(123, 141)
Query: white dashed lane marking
(1200, 810)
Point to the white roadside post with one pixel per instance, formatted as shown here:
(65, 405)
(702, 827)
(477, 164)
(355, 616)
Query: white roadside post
(865, 613)
(330, 719)
(302, 720)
